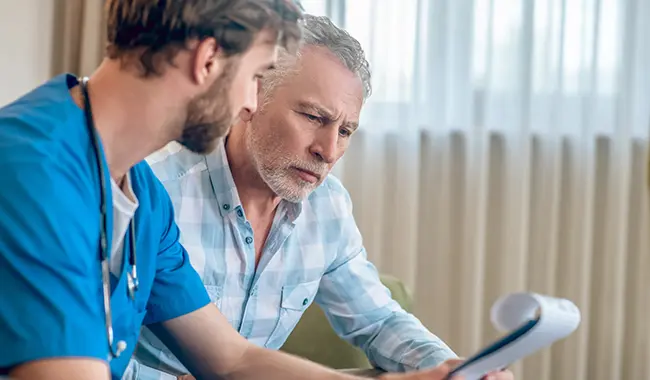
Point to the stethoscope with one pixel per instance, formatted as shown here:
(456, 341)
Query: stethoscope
(132, 277)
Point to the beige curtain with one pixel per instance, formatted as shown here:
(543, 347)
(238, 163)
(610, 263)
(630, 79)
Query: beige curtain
(504, 149)
(79, 34)
(465, 218)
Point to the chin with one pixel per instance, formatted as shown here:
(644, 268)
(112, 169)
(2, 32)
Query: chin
(295, 195)
(203, 138)
(302, 194)
(294, 199)
(201, 147)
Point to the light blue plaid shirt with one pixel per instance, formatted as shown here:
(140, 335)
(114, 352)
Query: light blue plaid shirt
(313, 253)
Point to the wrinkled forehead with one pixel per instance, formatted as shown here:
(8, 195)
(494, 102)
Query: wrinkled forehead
(320, 76)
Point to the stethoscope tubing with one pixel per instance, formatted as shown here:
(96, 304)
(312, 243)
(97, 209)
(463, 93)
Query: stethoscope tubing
(133, 284)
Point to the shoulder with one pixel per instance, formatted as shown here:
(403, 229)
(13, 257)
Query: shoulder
(42, 125)
(331, 188)
(328, 211)
(148, 188)
(172, 163)
(43, 142)
(331, 198)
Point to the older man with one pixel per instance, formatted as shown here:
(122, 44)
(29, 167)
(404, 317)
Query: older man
(270, 231)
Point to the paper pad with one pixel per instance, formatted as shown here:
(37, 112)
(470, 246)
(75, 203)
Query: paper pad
(535, 321)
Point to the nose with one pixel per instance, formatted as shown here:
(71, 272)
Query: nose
(250, 98)
(325, 148)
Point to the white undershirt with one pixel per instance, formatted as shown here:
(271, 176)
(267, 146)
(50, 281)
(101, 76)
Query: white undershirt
(124, 206)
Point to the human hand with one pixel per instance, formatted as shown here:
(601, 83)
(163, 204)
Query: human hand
(438, 373)
(505, 374)
(442, 371)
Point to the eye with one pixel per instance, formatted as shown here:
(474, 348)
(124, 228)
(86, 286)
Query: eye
(310, 117)
(345, 132)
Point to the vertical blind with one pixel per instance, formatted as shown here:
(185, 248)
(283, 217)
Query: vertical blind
(505, 148)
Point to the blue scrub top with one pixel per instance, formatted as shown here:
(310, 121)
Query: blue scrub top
(51, 302)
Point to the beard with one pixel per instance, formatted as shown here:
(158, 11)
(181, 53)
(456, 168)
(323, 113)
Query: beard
(274, 166)
(283, 182)
(209, 116)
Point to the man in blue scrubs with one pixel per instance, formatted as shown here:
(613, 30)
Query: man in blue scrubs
(174, 70)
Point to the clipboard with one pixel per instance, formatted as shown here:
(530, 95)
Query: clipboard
(533, 322)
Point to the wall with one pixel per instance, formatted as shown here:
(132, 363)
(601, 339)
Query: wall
(26, 42)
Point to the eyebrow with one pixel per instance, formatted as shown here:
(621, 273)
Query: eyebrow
(324, 113)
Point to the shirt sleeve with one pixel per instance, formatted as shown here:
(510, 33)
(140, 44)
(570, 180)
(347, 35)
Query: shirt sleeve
(50, 278)
(177, 288)
(139, 371)
(362, 312)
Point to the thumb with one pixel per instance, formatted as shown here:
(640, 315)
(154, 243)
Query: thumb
(440, 372)
(453, 363)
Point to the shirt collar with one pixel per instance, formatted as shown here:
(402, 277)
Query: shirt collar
(225, 191)
(221, 180)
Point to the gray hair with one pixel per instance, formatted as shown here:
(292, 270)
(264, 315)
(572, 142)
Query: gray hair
(321, 31)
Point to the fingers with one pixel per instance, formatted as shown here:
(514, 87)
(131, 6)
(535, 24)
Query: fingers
(504, 374)
(501, 375)
(442, 372)
(453, 363)
(438, 373)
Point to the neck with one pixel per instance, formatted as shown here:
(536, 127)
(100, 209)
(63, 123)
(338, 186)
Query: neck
(131, 123)
(255, 195)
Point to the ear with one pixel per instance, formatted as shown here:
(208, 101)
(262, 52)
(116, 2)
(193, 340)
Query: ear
(207, 63)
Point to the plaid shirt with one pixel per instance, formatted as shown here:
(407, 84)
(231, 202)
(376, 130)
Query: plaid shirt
(313, 253)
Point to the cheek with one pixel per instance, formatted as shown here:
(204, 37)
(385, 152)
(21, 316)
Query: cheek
(293, 133)
(283, 132)
(275, 122)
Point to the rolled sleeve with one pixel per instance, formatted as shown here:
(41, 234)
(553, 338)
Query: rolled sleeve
(50, 290)
(177, 289)
(362, 311)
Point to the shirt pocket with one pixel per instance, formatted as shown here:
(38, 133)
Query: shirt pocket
(295, 299)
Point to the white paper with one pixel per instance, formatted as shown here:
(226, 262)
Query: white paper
(533, 321)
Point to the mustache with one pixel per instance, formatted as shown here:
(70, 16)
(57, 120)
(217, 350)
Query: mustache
(319, 169)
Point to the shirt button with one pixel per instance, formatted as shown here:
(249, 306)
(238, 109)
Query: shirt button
(305, 302)
(226, 206)
(249, 239)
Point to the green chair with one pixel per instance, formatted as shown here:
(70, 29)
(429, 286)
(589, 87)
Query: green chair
(315, 340)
